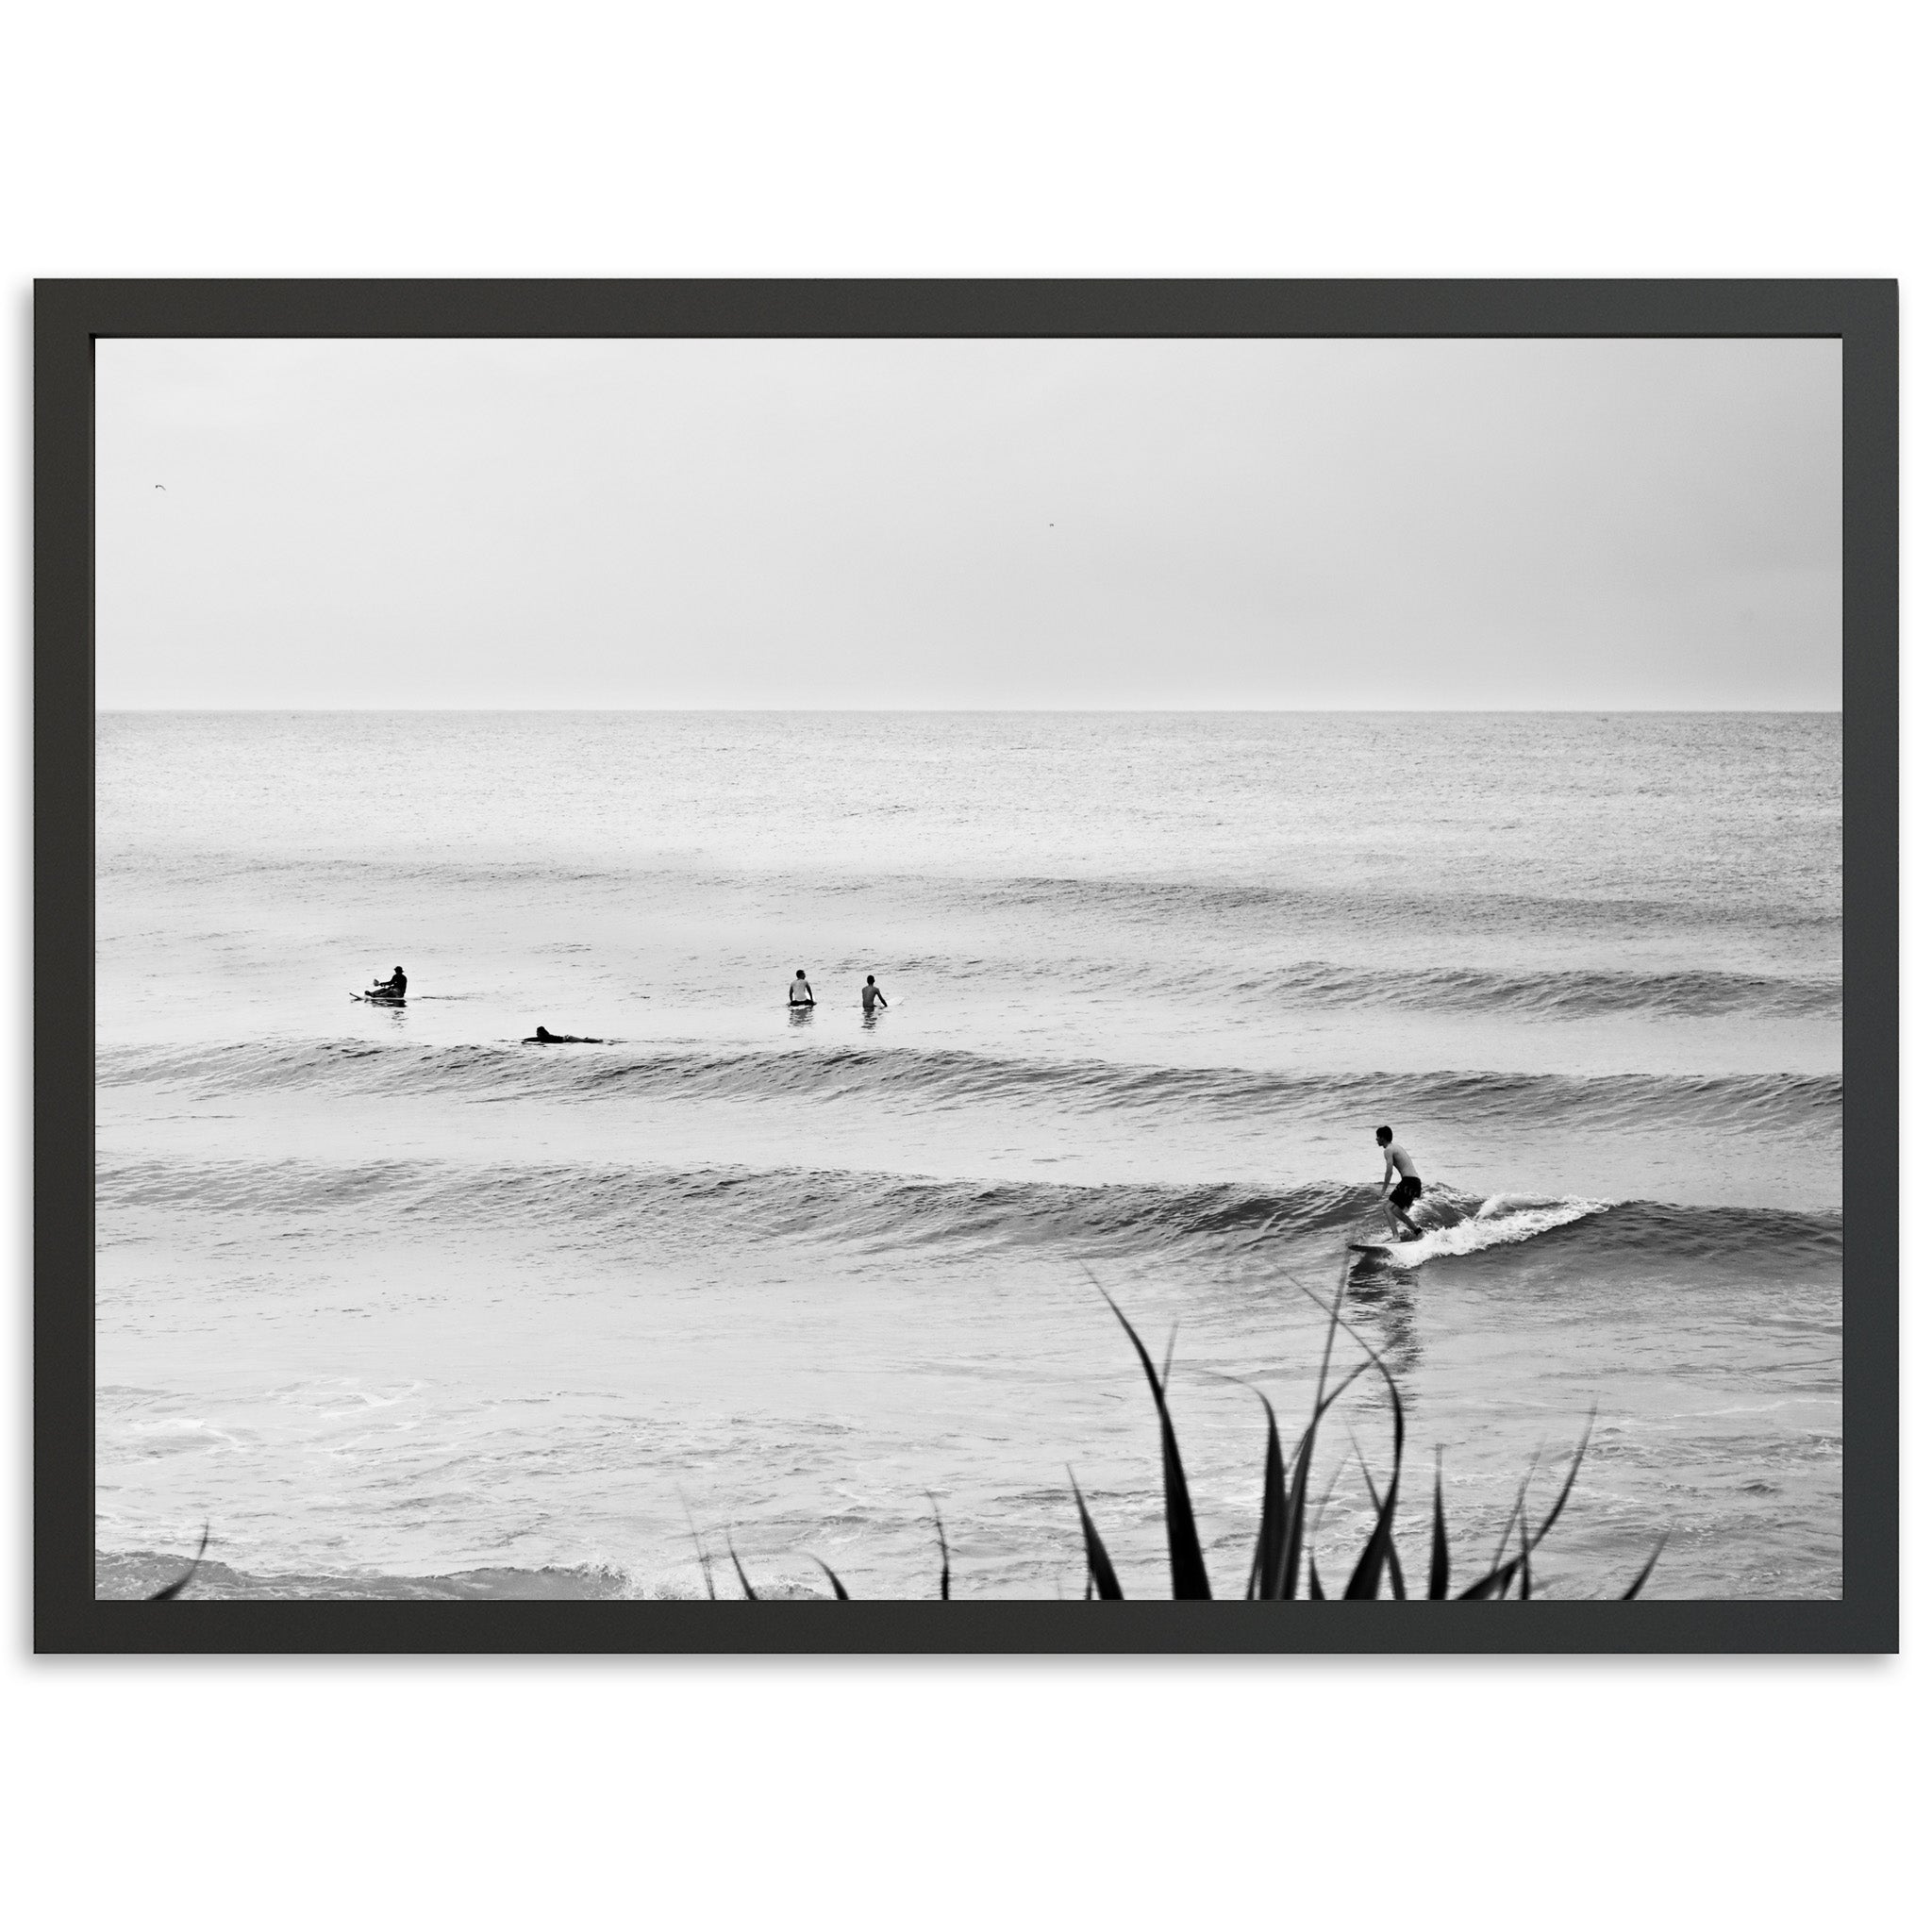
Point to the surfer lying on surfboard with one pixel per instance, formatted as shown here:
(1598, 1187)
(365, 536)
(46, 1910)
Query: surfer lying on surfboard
(1402, 1186)
(543, 1037)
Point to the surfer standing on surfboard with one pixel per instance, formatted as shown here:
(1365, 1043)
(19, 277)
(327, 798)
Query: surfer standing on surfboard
(1401, 1186)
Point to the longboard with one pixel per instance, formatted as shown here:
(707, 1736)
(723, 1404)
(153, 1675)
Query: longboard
(382, 999)
(1385, 1248)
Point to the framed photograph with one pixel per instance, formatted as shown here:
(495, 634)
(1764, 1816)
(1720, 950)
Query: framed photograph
(966, 966)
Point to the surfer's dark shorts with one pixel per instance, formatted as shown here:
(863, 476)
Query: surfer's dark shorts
(1407, 1191)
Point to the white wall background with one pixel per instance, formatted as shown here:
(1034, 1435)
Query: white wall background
(1644, 139)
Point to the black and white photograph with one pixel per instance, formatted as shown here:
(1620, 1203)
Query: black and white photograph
(979, 969)
(967, 966)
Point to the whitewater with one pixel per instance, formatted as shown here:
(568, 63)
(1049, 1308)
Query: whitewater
(400, 1306)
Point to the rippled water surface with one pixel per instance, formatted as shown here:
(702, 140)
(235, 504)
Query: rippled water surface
(401, 1306)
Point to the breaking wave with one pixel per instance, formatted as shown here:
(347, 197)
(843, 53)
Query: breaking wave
(612, 1205)
(946, 1076)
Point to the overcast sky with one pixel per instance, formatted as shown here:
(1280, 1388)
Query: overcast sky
(1223, 525)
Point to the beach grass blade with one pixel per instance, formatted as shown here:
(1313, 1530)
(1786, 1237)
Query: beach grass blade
(1398, 1586)
(1496, 1583)
(1271, 1546)
(1286, 1579)
(698, 1543)
(1502, 1575)
(1439, 1545)
(1643, 1575)
(1564, 1495)
(1509, 1520)
(743, 1581)
(174, 1590)
(1367, 1580)
(1188, 1570)
(1100, 1577)
(1290, 1571)
(945, 1555)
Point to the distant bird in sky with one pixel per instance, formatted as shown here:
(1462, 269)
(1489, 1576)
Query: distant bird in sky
(160, 486)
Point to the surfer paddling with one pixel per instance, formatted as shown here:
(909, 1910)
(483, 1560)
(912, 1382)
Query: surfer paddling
(869, 995)
(799, 992)
(543, 1037)
(1402, 1186)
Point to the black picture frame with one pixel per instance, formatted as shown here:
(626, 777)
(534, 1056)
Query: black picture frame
(71, 315)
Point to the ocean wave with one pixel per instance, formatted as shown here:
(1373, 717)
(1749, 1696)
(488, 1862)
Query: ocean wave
(602, 1206)
(1711, 1233)
(127, 1575)
(1648, 1229)
(1069, 903)
(949, 1076)
(1380, 904)
(1554, 994)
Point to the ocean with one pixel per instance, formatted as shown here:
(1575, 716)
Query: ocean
(399, 1307)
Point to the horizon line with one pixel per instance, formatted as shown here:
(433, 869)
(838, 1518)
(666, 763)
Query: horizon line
(996, 710)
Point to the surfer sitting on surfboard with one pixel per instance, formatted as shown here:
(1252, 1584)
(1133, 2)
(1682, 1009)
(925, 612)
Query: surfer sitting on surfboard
(395, 985)
(1402, 1186)
(869, 995)
(799, 992)
(543, 1037)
